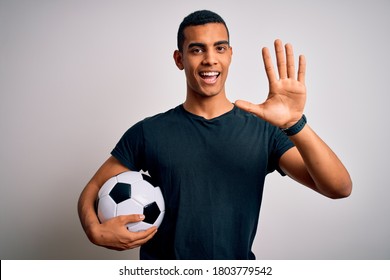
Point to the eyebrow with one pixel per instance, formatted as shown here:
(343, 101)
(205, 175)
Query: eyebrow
(202, 45)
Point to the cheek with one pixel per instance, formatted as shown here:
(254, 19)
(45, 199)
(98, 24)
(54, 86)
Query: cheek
(190, 78)
(190, 72)
(227, 62)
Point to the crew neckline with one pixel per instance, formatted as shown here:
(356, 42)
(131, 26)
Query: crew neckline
(181, 106)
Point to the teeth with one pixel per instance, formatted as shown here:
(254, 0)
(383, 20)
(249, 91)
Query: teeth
(209, 74)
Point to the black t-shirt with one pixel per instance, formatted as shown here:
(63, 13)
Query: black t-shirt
(211, 173)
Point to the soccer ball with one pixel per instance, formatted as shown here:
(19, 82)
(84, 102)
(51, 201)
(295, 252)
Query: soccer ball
(131, 192)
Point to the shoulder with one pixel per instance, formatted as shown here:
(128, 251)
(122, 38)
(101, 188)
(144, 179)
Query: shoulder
(171, 114)
(151, 121)
(260, 127)
(160, 123)
(251, 119)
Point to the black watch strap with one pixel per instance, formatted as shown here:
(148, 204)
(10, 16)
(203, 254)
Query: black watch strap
(296, 127)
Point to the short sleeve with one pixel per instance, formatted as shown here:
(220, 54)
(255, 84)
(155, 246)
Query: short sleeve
(130, 148)
(280, 144)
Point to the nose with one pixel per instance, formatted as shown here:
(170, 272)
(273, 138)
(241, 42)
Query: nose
(210, 58)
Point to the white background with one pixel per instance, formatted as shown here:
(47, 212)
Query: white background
(74, 75)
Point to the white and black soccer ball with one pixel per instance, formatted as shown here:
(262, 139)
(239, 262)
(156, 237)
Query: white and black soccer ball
(131, 192)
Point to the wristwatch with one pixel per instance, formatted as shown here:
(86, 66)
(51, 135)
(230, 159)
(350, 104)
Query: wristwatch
(297, 127)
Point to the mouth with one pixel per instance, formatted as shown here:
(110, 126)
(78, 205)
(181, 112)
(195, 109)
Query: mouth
(209, 77)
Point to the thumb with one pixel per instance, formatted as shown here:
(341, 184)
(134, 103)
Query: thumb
(256, 109)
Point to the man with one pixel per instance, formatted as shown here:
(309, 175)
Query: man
(210, 157)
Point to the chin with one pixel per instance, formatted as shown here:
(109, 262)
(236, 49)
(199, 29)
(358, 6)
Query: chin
(210, 92)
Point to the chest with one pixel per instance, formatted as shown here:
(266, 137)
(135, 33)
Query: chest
(189, 146)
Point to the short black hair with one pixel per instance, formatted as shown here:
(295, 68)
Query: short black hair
(198, 18)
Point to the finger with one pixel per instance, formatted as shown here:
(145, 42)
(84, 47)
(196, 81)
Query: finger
(280, 59)
(145, 234)
(302, 69)
(269, 69)
(126, 239)
(141, 237)
(133, 218)
(251, 108)
(290, 61)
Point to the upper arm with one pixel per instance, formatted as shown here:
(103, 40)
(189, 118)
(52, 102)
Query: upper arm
(292, 164)
(111, 167)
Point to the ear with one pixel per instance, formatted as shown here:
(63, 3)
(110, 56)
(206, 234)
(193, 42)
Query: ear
(178, 57)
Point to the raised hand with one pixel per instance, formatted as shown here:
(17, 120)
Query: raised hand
(287, 93)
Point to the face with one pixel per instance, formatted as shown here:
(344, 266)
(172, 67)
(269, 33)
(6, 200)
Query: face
(205, 58)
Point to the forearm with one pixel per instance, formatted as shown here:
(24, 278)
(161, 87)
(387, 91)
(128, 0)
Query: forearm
(86, 210)
(328, 173)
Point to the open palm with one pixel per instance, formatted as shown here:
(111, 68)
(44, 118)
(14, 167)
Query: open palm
(287, 94)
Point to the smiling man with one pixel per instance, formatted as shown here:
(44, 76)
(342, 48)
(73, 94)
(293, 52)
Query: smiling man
(205, 56)
(210, 157)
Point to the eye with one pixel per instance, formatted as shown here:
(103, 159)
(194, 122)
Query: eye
(221, 49)
(197, 50)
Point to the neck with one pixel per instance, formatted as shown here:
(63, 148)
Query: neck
(208, 108)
